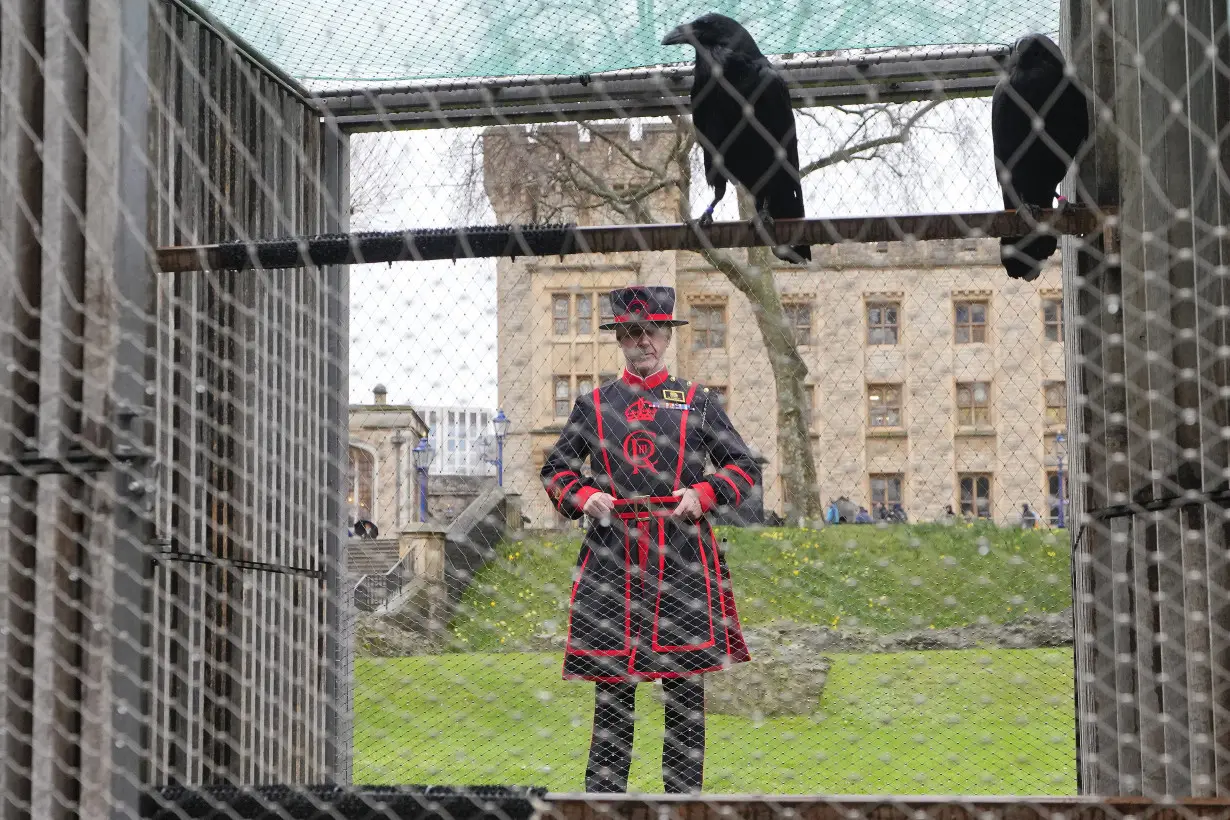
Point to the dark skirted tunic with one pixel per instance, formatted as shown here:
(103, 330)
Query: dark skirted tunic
(652, 595)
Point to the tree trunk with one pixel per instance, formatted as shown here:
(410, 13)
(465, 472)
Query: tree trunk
(800, 493)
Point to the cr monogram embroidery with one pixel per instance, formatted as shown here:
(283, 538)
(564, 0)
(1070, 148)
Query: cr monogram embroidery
(639, 448)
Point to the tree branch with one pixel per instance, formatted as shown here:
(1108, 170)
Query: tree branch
(850, 152)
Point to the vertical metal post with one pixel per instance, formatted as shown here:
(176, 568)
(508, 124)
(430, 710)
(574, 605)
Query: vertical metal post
(338, 729)
(499, 461)
(134, 283)
(422, 471)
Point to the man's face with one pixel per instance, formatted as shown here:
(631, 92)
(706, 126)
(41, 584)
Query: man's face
(643, 347)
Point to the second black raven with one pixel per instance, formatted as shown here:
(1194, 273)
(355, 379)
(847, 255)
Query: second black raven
(1039, 121)
(744, 122)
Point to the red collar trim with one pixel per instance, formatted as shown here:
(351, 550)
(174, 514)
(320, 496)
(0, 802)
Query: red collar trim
(649, 382)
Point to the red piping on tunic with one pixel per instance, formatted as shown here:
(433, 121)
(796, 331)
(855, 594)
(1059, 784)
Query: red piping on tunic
(558, 476)
(707, 496)
(632, 677)
(721, 590)
(559, 502)
(704, 562)
(683, 435)
(606, 459)
(569, 649)
(572, 600)
(744, 475)
(583, 496)
(733, 486)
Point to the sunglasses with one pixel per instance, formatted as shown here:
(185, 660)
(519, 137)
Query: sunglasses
(634, 331)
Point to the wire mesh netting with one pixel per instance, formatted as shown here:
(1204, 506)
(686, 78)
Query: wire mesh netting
(854, 425)
(328, 40)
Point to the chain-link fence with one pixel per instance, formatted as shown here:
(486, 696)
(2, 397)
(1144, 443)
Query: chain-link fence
(728, 377)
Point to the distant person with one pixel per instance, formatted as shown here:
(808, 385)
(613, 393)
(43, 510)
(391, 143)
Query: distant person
(1029, 518)
(898, 514)
(947, 516)
(881, 512)
(862, 517)
(831, 514)
(366, 529)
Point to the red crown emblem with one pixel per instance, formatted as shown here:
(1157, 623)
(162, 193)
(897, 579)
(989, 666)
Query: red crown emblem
(640, 410)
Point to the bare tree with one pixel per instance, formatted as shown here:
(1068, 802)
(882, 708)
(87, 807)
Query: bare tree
(556, 179)
(378, 174)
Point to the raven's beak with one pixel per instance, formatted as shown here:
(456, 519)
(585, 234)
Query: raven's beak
(677, 37)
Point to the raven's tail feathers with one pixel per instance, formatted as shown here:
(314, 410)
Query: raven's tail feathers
(793, 253)
(1023, 256)
(787, 203)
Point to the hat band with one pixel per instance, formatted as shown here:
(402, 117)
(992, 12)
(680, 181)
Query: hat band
(652, 317)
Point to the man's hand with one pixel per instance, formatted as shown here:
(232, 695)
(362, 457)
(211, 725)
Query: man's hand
(689, 504)
(599, 507)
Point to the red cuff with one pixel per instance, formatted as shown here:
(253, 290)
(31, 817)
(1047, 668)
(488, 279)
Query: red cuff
(583, 495)
(707, 497)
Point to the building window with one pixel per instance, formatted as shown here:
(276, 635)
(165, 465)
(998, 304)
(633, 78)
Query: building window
(606, 313)
(585, 384)
(975, 494)
(809, 405)
(798, 317)
(562, 391)
(1052, 319)
(886, 489)
(882, 327)
(708, 327)
(585, 313)
(560, 313)
(362, 484)
(1054, 494)
(971, 322)
(1056, 403)
(884, 404)
(974, 404)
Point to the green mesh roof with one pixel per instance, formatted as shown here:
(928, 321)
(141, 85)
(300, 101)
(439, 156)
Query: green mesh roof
(386, 40)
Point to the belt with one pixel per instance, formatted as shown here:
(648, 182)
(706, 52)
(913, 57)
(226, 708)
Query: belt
(645, 507)
(638, 512)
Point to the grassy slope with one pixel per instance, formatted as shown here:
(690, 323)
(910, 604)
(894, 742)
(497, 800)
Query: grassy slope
(888, 578)
(986, 722)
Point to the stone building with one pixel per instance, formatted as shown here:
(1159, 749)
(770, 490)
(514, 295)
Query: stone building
(934, 379)
(383, 483)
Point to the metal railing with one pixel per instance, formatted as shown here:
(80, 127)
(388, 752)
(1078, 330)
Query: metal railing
(373, 591)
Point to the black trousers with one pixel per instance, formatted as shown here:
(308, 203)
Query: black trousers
(683, 748)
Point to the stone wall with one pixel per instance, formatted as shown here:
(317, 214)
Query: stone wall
(449, 495)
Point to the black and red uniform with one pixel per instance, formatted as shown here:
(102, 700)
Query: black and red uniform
(651, 597)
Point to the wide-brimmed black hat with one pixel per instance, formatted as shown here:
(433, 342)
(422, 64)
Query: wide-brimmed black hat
(643, 304)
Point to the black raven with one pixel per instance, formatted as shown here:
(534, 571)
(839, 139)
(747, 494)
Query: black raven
(758, 148)
(1039, 121)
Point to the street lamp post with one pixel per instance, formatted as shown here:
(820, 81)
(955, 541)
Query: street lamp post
(1063, 498)
(500, 423)
(423, 454)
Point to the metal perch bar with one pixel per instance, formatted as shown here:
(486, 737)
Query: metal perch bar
(563, 240)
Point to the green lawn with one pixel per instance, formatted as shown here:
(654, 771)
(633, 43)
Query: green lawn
(975, 721)
(888, 578)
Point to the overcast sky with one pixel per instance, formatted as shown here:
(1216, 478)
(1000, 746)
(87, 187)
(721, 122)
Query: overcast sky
(427, 330)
